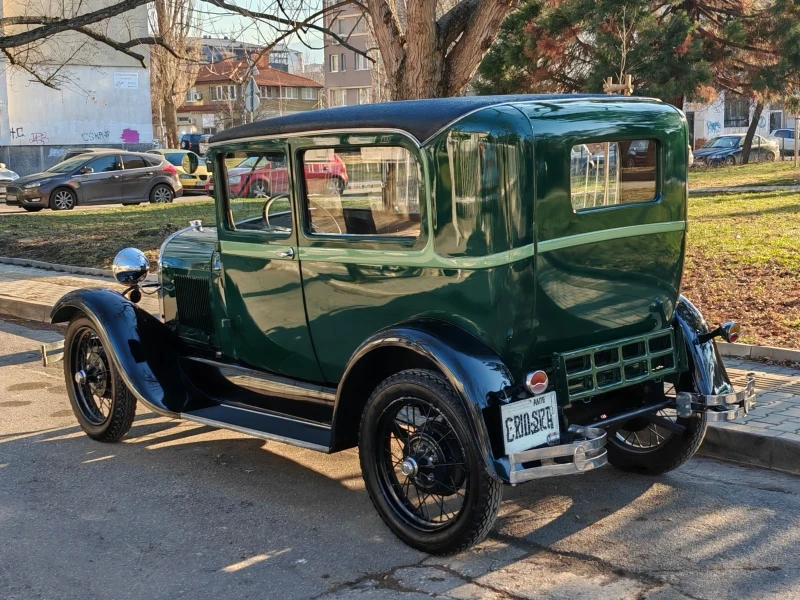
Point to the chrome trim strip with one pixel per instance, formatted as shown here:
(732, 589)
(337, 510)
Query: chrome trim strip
(271, 385)
(604, 235)
(316, 132)
(586, 455)
(252, 432)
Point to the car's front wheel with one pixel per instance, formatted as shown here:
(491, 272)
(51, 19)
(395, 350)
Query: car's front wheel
(100, 400)
(421, 466)
(770, 157)
(162, 194)
(730, 161)
(644, 445)
(63, 199)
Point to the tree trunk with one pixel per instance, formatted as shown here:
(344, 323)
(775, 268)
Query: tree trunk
(751, 132)
(171, 122)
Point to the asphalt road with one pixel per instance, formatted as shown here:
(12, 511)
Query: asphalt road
(183, 511)
(16, 210)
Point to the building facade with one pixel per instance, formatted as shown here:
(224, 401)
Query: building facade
(103, 96)
(730, 113)
(348, 74)
(281, 57)
(216, 101)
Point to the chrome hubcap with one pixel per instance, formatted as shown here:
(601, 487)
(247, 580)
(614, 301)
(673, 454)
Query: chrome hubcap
(162, 195)
(80, 377)
(409, 467)
(63, 200)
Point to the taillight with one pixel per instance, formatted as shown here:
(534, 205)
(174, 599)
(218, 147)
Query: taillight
(171, 169)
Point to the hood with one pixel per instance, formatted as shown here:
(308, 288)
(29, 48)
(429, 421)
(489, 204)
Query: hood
(37, 178)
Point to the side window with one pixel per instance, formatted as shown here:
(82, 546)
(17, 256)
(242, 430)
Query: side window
(372, 190)
(130, 161)
(610, 173)
(104, 164)
(257, 189)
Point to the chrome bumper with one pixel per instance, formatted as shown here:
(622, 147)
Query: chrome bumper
(586, 454)
(723, 407)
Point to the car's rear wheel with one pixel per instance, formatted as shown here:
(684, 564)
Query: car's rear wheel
(769, 157)
(335, 185)
(642, 445)
(421, 466)
(32, 208)
(162, 194)
(100, 400)
(63, 199)
(730, 161)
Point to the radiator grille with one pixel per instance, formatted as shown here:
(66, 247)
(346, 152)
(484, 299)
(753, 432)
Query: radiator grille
(194, 303)
(600, 369)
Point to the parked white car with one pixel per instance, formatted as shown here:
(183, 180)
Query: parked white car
(785, 139)
(6, 176)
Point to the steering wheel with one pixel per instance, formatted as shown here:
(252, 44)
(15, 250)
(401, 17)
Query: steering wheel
(268, 205)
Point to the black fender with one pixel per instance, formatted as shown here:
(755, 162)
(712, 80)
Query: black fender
(144, 350)
(705, 362)
(475, 371)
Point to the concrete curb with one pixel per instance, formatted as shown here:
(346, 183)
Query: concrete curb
(38, 264)
(744, 447)
(750, 351)
(25, 309)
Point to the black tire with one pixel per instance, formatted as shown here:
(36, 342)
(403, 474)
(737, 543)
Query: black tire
(31, 208)
(161, 194)
(731, 161)
(480, 501)
(100, 385)
(666, 456)
(63, 199)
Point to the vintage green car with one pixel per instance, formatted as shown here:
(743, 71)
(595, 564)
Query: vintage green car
(473, 291)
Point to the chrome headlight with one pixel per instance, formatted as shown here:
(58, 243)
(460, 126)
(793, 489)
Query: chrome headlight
(30, 186)
(130, 266)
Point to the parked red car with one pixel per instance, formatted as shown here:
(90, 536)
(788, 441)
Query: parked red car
(257, 177)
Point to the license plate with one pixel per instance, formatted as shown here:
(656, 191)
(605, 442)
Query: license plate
(11, 197)
(529, 423)
(2, 189)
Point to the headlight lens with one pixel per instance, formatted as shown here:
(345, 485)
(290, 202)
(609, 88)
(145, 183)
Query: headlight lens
(130, 266)
(233, 179)
(30, 186)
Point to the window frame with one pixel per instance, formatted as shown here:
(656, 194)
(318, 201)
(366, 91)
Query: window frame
(117, 164)
(658, 194)
(345, 141)
(735, 101)
(330, 63)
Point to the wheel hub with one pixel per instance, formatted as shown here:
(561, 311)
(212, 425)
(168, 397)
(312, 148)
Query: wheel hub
(409, 467)
(430, 461)
(80, 377)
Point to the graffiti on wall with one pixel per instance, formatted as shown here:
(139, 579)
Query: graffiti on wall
(762, 122)
(56, 152)
(39, 138)
(96, 136)
(713, 127)
(17, 133)
(130, 136)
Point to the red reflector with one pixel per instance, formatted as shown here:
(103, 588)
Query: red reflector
(536, 382)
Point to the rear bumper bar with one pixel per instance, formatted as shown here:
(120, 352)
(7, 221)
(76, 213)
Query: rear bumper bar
(586, 453)
(721, 407)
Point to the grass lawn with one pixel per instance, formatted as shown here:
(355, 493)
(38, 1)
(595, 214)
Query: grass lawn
(92, 238)
(744, 263)
(774, 173)
(743, 252)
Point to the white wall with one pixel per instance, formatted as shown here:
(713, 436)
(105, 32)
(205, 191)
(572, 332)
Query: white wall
(709, 119)
(100, 105)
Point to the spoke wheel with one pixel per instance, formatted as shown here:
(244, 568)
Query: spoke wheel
(100, 400)
(63, 200)
(422, 467)
(422, 464)
(258, 189)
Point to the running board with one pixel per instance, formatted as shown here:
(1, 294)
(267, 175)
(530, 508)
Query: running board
(264, 425)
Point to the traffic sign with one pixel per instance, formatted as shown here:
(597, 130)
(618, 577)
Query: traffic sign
(251, 99)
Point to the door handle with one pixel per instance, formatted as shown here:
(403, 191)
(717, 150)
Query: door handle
(115, 177)
(286, 254)
(149, 173)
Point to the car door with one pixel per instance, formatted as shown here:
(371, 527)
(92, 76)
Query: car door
(266, 322)
(103, 183)
(137, 174)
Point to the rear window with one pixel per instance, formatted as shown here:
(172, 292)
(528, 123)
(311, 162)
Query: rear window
(133, 162)
(610, 173)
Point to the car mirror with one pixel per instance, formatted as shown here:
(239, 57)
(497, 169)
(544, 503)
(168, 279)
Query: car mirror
(190, 162)
(86, 170)
(209, 166)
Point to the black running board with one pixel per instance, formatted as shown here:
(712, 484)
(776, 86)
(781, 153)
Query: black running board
(265, 425)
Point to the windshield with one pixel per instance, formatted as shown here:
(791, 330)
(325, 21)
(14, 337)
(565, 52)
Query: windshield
(723, 142)
(67, 165)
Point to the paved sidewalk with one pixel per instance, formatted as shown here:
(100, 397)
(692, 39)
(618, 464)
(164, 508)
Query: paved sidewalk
(31, 293)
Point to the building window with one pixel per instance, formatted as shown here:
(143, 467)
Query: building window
(192, 95)
(338, 97)
(361, 62)
(289, 93)
(308, 93)
(364, 96)
(737, 110)
(343, 62)
(223, 92)
(268, 91)
(334, 64)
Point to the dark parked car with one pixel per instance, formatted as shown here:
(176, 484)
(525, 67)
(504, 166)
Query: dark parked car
(423, 314)
(191, 141)
(104, 177)
(727, 150)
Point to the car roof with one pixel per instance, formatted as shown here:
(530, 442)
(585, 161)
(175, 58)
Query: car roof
(420, 118)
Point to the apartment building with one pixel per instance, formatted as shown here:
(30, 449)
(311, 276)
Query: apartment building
(216, 101)
(348, 74)
(281, 57)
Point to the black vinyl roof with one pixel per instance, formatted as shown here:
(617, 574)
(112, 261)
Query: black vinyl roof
(420, 118)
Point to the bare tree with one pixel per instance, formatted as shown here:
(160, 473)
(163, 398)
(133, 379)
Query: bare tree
(173, 71)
